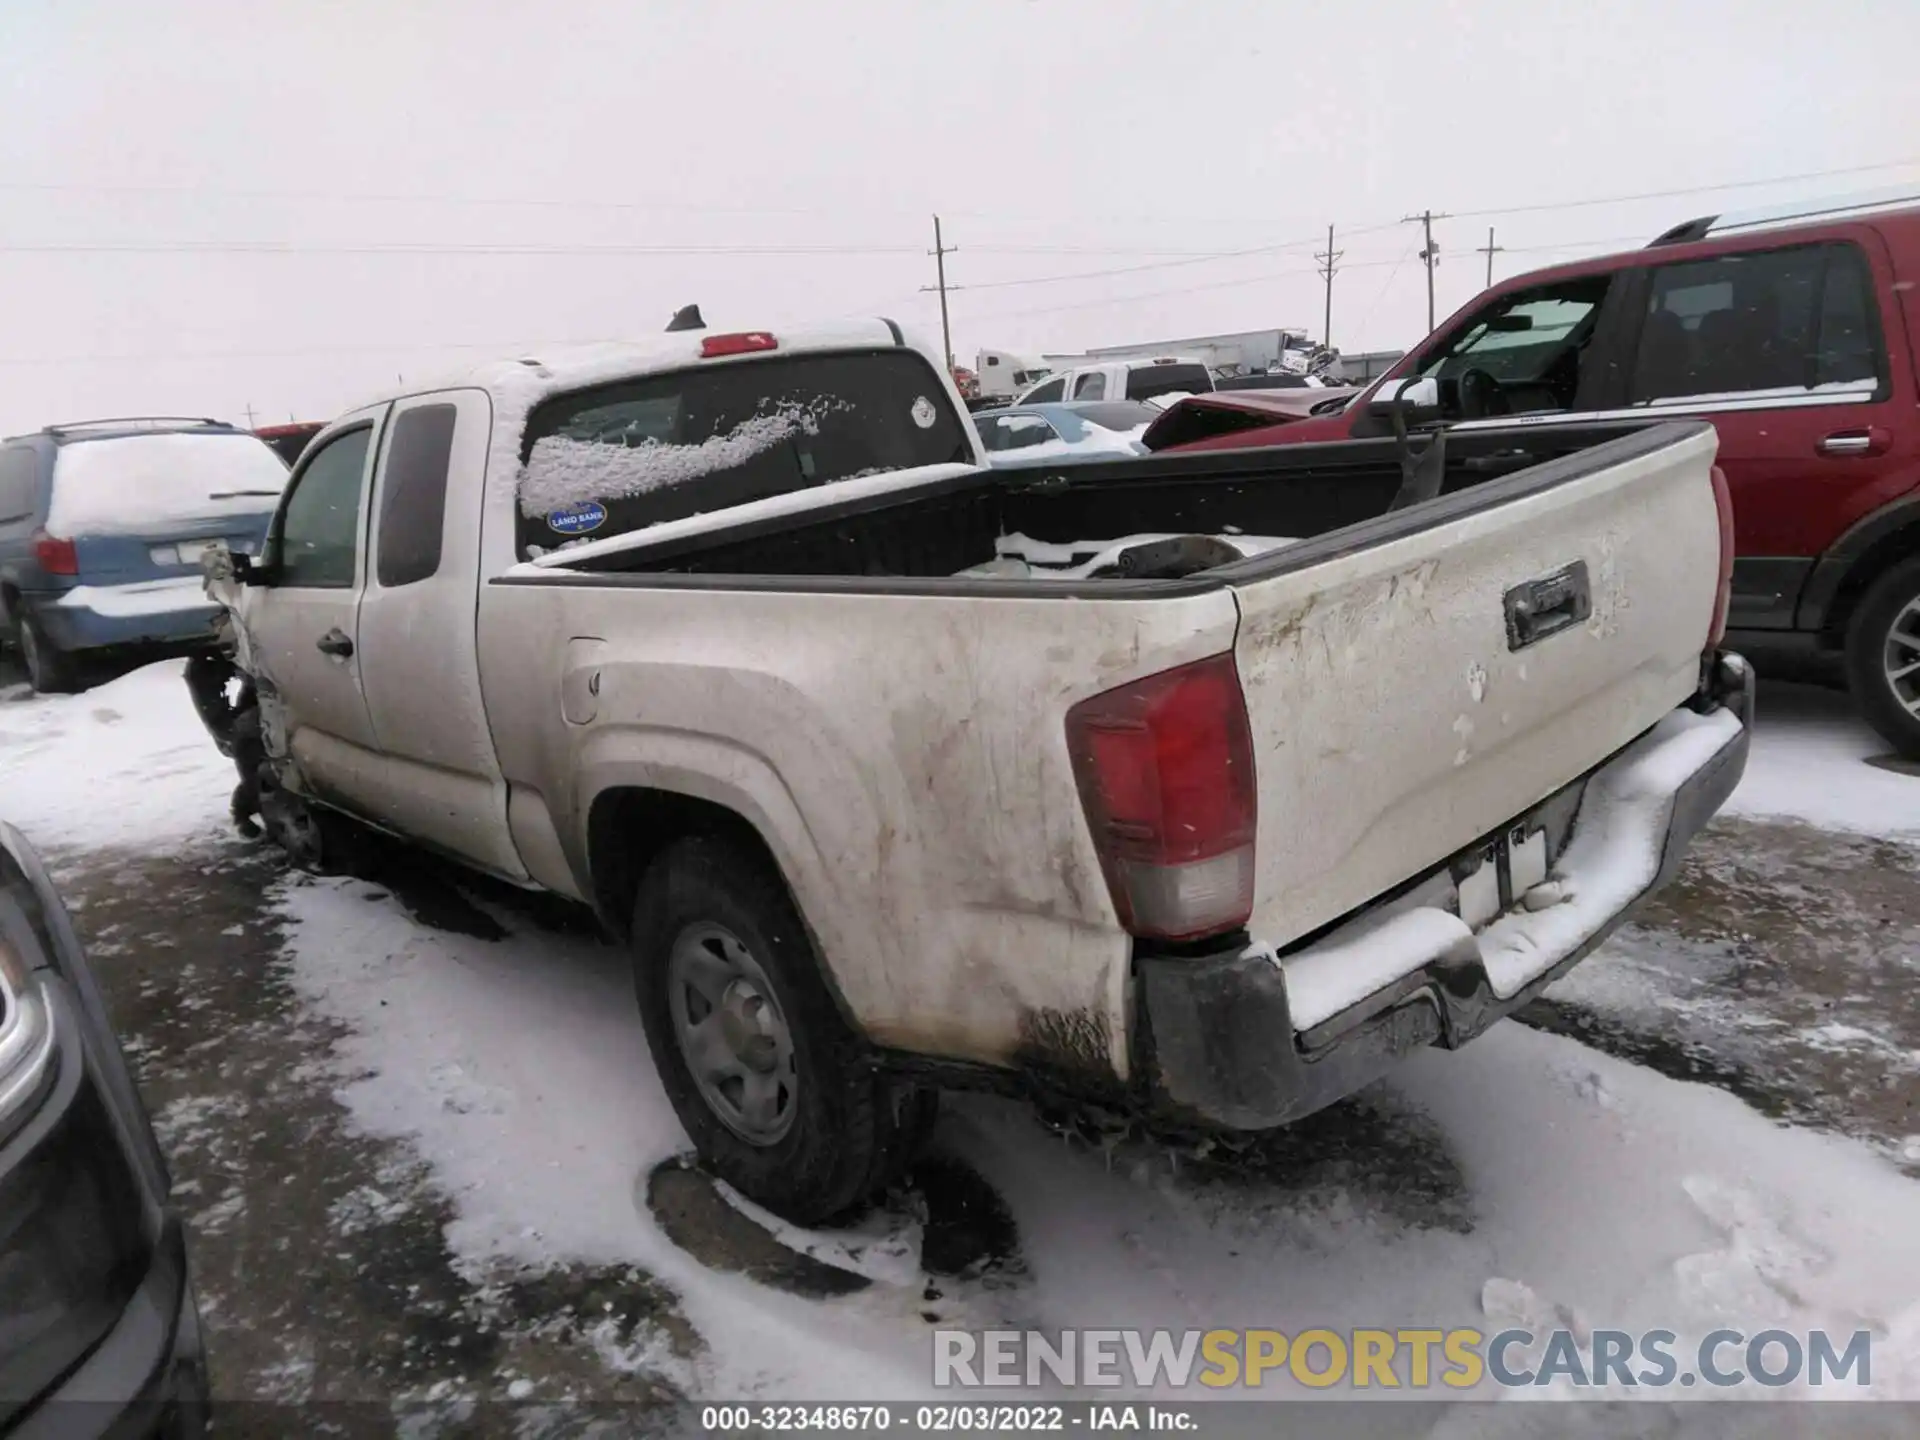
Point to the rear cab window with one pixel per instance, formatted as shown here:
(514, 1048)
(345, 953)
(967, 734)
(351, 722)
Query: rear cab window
(1147, 382)
(618, 458)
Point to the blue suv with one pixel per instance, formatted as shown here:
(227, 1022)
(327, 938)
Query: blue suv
(102, 526)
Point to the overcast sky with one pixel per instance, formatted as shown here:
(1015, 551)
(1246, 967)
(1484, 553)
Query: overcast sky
(205, 207)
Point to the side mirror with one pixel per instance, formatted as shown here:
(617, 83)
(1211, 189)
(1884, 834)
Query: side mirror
(1417, 401)
(222, 563)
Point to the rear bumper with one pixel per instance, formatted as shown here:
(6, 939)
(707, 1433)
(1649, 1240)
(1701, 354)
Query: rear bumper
(172, 612)
(1220, 1036)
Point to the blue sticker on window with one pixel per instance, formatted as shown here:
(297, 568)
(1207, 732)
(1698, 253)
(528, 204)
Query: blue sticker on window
(577, 519)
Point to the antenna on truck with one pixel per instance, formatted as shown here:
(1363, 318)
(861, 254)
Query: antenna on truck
(687, 317)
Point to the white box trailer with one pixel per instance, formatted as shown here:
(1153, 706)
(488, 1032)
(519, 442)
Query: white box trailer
(1004, 374)
(1247, 351)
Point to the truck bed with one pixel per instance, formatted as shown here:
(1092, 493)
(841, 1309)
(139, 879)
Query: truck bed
(1325, 499)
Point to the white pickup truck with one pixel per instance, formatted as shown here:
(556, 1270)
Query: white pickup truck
(1123, 380)
(1200, 788)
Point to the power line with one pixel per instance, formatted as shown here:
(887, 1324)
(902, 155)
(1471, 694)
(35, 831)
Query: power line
(1387, 285)
(513, 346)
(1259, 279)
(1688, 190)
(285, 247)
(199, 191)
(1200, 258)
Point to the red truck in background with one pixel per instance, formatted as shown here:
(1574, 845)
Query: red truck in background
(1793, 333)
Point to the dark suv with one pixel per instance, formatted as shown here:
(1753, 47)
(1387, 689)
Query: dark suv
(1794, 334)
(99, 1331)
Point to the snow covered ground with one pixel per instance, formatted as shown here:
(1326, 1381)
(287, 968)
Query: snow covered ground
(1807, 764)
(1525, 1178)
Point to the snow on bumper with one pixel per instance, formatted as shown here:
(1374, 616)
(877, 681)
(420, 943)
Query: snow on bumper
(152, 611)
(1248, 1040)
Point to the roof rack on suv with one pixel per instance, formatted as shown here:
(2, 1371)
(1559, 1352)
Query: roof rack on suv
(154, 421)
(1837, 207)
(1685, 232)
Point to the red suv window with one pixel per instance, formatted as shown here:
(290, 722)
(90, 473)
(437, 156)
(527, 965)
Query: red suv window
(1760, 321)
(1527, 350)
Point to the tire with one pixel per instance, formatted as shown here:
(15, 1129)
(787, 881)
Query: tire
(1884, 637)
(829, 1130)
(50, 670)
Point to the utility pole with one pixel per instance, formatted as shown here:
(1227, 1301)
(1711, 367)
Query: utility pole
(1328, 269)
(250, 424)
(940, 252)
(1429, 254)
(1490, 250)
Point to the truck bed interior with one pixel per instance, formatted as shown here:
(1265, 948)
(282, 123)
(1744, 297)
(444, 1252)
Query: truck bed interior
(957, 528)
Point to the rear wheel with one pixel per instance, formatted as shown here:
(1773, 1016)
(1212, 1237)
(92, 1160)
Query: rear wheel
(1883, 656)
(767, 1079)
(50, 669)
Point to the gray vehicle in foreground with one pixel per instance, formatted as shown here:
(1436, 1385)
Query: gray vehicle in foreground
(99, 1330)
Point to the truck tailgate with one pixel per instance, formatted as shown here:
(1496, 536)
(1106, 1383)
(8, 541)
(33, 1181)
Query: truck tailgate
(1416, 682)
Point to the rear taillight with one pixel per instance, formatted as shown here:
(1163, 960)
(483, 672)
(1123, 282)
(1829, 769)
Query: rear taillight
(742, 344)
(1165, 770)
(1723, 507)
(54, 555)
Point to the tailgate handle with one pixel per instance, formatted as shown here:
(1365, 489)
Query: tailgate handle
(1540, 608)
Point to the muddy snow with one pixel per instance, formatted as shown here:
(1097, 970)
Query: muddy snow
(1705, 1126)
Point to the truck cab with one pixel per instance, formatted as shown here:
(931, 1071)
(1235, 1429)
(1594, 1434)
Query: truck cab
(1124, 380)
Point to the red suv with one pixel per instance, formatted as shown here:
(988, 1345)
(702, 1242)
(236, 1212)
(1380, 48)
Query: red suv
(1794, 335)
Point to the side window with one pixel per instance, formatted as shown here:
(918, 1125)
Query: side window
(1533, 343)
(1847, 350)
(1016, 432)
(19, 484)
(1091, 387)
(1053, 390)
(413, 494)
(1767, 321)
(320, 528)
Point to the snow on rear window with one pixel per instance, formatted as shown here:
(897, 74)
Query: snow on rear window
(629, 454)
(137, 484)
(562, 471)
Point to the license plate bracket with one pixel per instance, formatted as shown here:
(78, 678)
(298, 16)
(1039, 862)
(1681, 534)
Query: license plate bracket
(1491, 878)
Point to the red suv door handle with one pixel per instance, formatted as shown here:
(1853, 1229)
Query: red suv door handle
(1871, 441)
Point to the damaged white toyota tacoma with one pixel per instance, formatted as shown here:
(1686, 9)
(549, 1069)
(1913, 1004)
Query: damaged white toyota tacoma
(1196, 790)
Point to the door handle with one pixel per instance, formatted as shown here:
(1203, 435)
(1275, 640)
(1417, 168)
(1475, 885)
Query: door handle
(1872, 441)
(335, 642)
